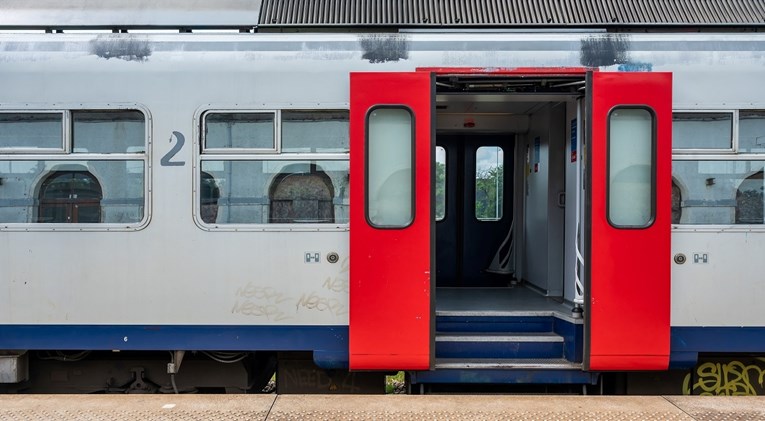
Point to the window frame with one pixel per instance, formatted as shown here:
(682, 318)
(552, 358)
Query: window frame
(68, 155)
(65, 132)
(706, 151)
(654, 142)
(719, 155)
(200, 155)
(446, 183)
(224, 151)
(475, 190)
(412, 160)
(738, 112)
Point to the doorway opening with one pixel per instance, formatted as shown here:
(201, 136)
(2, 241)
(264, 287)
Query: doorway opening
(508, 191)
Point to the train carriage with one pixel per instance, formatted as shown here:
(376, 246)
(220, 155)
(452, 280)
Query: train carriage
(569, 196)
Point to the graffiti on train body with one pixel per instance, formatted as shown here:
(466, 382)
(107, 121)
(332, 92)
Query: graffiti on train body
(727, 378)
(268, 294)
(340, 282)
(313, 301)
(257, 301)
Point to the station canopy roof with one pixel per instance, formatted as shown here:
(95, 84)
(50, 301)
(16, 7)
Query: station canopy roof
(350, 14)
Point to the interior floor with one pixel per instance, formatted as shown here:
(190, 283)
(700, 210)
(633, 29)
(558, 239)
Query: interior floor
(509, 301)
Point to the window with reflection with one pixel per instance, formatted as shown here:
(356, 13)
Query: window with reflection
(276, 191)
(209, 193)
(299, 196)
(70, 197)
(721, 192)
(239, 130)
(749, 200)
(702, 130)
(727, 188)
(677, 200)
(32, 131)
(751, 132)
(29, 188)
(59, 186)
(252, 185)
(324, 131)
(122, 131)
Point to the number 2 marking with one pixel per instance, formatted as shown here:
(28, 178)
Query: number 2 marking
(180, 140)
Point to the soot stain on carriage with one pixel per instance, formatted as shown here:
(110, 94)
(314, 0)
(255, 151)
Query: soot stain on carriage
(382, 48)
(122, 48)
(604, 50)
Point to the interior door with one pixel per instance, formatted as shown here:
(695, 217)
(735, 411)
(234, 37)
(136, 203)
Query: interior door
(628, 205)
(479, 209)
(391, 221)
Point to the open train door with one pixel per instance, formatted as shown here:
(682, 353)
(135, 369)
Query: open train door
(628, 208)
(391, 222)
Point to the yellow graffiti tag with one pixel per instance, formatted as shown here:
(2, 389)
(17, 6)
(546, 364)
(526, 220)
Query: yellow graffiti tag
(733, 378)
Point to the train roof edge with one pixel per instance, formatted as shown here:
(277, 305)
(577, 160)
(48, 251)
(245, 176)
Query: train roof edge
(345, 15)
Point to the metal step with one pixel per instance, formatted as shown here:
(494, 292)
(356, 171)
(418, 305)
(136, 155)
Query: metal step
(493, 324)
(498, 337)
(506, 364)
(474, 345)
(505, 371)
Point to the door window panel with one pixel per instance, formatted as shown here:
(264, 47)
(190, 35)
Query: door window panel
(489, 183)
(440, 183)
(390, 166)
(631, 140)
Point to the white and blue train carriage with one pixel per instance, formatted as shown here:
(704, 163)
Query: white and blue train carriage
(193, 196)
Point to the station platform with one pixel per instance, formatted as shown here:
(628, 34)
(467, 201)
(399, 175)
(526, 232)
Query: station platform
(385, 407)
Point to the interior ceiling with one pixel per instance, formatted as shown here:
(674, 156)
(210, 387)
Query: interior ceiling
(493, 104)
(494, 95)
(490, 83)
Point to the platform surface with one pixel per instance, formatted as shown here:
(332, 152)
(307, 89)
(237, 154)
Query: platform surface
(366, 407)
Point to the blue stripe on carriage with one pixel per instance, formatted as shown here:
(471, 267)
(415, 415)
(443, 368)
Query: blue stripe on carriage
(688, 342)
(329, 339)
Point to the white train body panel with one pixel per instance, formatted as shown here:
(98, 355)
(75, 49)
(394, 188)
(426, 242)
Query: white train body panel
(172, 269)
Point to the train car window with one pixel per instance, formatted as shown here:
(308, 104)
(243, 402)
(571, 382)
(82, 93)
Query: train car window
(677, 200)
(315, 131)
(749, 200)
(32, 191)
(209, 193)
(489, 183)
(390, 167)
(440, 183)
(32, 131)
(631, 149)
(118, 131)
(241, 130)
(59, 185)
(70, 197)
(720, 192)
(275, 191)
(702, 130)
(751, 131)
